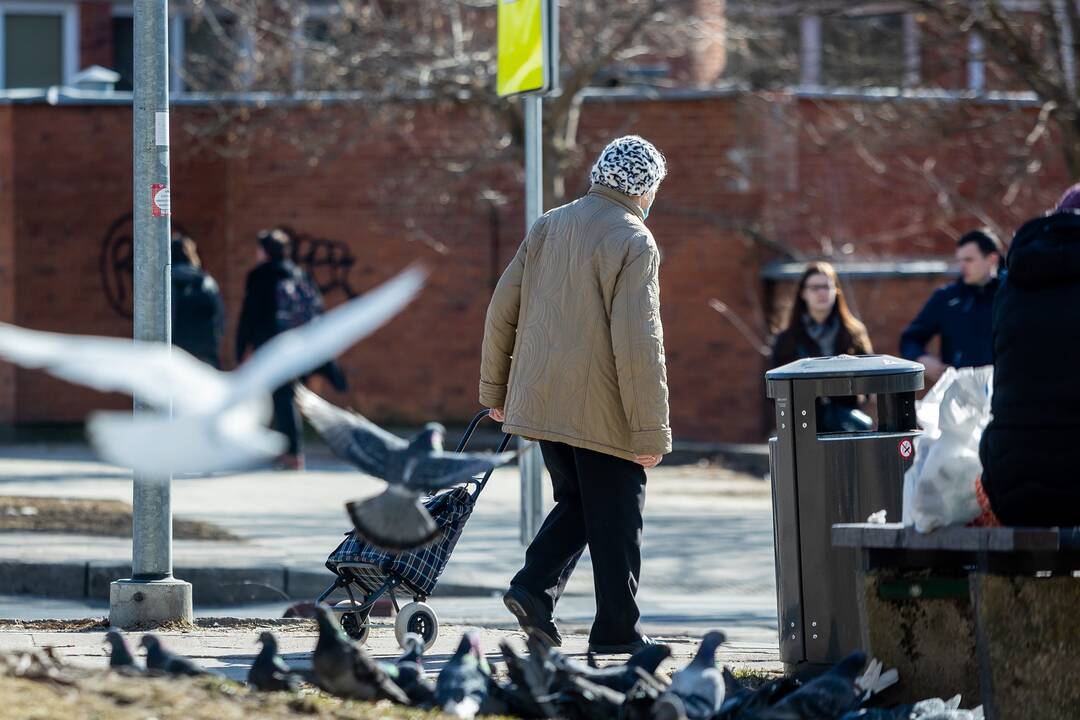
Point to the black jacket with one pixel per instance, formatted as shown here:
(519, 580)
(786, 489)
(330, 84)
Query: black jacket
(258, 316)
(962, 315)
(198, 314)
(1031, 447)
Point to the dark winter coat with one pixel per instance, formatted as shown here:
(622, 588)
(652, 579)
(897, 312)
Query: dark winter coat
(258, 316)
(962, 315)
(1030, 451)
(198, 314)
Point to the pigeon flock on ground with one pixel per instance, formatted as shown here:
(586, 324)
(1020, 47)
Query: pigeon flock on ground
(396, 519)
(545, 683)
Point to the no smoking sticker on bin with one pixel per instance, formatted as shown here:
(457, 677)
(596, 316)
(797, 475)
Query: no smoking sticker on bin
(906, 448)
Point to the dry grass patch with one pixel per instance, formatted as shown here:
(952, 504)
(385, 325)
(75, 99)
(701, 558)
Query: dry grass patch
(89, 517)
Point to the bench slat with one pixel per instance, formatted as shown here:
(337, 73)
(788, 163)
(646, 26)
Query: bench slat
(956, 539)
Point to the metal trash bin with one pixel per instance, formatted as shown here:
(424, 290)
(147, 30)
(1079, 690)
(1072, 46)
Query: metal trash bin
(823, 478)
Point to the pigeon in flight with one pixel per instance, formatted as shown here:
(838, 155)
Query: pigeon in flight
(269, 672)
(396, 519)
(218, 419)
(160, 659)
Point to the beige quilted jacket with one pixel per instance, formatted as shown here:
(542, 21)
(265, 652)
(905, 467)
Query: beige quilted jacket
(573, 345)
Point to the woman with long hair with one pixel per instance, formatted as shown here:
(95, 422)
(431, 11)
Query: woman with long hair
(821, 324)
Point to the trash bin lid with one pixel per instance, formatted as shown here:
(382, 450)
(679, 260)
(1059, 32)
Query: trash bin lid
(844, 366)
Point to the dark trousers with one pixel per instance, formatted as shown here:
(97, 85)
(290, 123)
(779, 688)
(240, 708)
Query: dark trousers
(598, 503)
(287, 417)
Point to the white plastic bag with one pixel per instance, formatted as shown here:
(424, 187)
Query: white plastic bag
(939, 487)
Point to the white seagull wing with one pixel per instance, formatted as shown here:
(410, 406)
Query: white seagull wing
(152, 372)
(299, 351)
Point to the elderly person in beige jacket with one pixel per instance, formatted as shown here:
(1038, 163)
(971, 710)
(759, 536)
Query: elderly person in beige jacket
(573, 357)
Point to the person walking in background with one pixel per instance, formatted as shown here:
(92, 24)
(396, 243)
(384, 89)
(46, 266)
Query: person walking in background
(198, 313)
(960, 313)
(573, 356)
(820, 324)
(277, 297)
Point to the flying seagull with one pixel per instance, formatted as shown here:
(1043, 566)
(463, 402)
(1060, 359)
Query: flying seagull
(218, 418)
(396, 519)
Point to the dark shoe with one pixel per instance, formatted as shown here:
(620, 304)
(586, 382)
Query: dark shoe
(624, 649)
(532, 616)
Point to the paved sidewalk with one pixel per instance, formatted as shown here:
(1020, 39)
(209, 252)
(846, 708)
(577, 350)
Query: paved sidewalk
(708, 558)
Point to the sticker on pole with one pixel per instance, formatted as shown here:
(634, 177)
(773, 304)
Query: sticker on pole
(161, 206)
(906, 448)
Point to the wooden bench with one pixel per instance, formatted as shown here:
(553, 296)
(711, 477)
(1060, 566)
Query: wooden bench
(991, 613)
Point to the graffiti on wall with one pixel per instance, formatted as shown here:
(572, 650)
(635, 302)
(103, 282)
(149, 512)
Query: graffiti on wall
(327, 261)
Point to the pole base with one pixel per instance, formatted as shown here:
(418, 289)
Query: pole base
(148, 603)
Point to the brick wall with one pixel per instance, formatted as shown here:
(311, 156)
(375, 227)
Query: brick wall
(748, 175)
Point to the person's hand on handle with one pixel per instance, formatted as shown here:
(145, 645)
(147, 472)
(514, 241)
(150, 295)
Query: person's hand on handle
(497, 414)
(934, 367)
(648, 461)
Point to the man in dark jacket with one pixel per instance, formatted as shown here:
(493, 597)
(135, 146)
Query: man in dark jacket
(198, 314)
(1028, 450)
(959, 313)
(263, 316)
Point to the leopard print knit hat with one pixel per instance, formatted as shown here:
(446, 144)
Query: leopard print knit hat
(630, 164)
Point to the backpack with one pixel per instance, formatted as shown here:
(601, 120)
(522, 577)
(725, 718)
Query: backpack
(297, 301)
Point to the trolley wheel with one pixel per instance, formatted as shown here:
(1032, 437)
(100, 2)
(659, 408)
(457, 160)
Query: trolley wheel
(419, 618)
(357, 625)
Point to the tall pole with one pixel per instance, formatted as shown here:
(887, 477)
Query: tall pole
(151, 595)
(532, 496)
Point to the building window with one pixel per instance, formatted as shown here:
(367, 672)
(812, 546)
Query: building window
(864, 50)
(124, 50)
(38, 44)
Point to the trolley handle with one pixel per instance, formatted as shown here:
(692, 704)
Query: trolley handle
(465, 441)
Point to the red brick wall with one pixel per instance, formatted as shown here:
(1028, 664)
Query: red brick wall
(747, 174)
(95, 34)
(7, 253)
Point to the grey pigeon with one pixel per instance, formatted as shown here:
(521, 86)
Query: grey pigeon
(700, 685)
(343, 668)
(269, 672)
(396, 519)
(616, 677)
(160, 659)
(826, 697)
(462, 686)
(409, 674)
(742, 703)
(120, 656)
(527, 693)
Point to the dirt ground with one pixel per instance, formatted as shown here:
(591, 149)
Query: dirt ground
(89, 517)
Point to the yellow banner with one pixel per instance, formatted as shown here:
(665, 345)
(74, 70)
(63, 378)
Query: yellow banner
(521, 47)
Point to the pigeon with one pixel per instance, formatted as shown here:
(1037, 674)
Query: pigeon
(528, 692)
(269, 673)
(462, 686)
(700, 685)
(396, 519)
(120, 657)
(161, 660)
(409, 675)
(580, 698)
(826, 697)
(616, 677)
(343, 668)
(930, 709)
(741, 702)
(218, 419)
